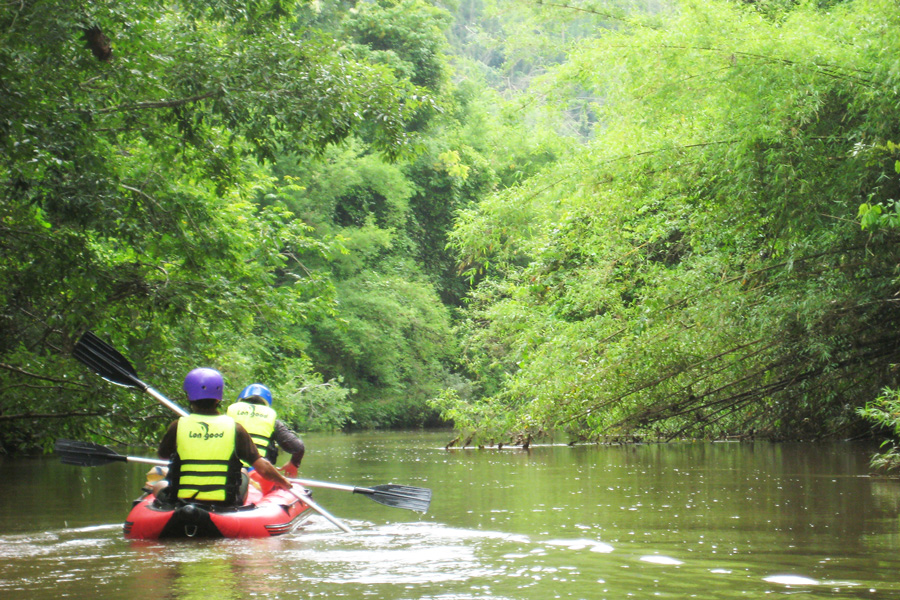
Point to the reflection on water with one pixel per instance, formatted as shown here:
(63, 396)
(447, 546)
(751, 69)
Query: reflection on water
(677, 521)
(414, 560)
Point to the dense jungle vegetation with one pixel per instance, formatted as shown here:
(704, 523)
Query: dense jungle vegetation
(643, 218)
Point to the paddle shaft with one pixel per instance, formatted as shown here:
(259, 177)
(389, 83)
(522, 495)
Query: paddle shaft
(109, 457)
(103, 458)
(330, 486)
(305, 498)
(148, 461)
(165, 401)
(111, 365)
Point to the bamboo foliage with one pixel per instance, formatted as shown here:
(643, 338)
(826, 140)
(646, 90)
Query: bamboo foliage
(697, 268)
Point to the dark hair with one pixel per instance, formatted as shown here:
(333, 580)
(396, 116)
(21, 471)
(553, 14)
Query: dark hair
(205, 403)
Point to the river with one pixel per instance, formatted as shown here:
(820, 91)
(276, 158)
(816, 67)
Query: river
(681, 520)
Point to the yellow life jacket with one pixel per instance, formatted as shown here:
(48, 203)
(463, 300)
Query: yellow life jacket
(206, 467)
(259, 421)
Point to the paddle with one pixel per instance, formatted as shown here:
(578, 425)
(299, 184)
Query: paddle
(109, 364)
(105, 361)
(89, 454)
(304, 497)
(397, 496)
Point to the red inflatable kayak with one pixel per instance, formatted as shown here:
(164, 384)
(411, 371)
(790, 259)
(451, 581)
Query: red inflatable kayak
(263, 515)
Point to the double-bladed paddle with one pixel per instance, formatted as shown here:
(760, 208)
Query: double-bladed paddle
(108, 363)
(89, 454)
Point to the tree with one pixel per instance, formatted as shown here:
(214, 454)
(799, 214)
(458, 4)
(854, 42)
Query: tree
(697, 268)
(407, 35)
(135, 137)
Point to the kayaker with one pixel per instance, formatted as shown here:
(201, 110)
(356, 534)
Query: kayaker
(205, 449)
(253, 409)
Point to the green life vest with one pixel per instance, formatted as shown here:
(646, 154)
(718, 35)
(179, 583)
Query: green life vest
(259, 421)
(207, 467)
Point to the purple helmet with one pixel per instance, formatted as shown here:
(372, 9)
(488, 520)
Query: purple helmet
(203, 384)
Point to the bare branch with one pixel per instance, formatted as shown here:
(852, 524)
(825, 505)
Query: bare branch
(64, 415)
(37, 376)
(159, 104)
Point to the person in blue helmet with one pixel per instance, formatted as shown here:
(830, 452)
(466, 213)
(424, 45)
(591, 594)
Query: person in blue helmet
(253, 409)
(206, 449)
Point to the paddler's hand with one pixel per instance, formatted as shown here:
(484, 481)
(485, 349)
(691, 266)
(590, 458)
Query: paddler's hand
(280, 480)
(267, 470)
(289, 469)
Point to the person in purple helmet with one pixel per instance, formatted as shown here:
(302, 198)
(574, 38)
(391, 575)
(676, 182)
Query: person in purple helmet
(205, 449)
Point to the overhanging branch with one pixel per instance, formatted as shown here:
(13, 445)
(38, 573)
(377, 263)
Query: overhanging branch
(64, 415)
(159, 103)
(19, 371)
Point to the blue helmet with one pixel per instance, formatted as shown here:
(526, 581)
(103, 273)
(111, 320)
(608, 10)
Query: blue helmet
(204, 384)
(256, 390)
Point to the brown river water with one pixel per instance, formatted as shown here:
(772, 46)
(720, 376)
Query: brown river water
(682, 520)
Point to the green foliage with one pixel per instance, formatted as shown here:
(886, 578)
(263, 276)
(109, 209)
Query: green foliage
(301, 396)
(647, 219)
(134, 142)
(390, 224)
(393, 346)
(696, 269)
(884, 213)
(884, 412)
(459, 176)
(406, 35)
(389, 335)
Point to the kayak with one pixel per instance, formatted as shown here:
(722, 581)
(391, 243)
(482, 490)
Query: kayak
(266, 512)
(262, 515)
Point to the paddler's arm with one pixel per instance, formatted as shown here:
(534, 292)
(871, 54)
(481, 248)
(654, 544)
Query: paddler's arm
(289, 442)
(247, 452)
(167, 444)
(265, 468)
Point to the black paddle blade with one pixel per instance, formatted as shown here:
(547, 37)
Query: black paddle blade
(86, 454)
(105, 361)
(401, 496)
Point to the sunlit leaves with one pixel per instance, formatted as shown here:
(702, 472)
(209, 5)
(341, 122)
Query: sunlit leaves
(128, 180)
(697, 269)
(884, 411)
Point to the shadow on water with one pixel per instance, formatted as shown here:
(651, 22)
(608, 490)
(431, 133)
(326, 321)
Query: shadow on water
(678, 521)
